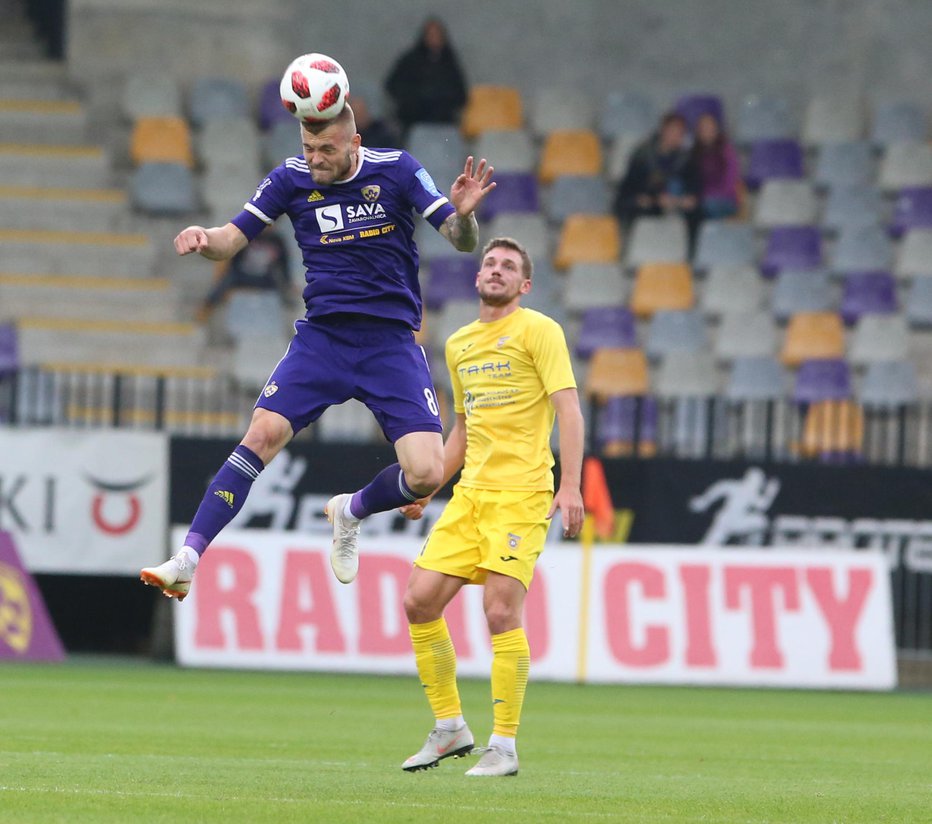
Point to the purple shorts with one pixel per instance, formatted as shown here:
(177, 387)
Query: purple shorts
(337, 357)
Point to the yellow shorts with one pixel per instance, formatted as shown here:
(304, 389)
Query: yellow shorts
(482, 530)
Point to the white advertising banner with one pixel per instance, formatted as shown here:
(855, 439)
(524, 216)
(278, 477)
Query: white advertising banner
(647, 615)
(92, 502)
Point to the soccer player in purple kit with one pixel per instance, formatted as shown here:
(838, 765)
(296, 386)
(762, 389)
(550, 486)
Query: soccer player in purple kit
(351, 208)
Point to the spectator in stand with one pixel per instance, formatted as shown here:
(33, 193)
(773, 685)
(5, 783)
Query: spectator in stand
(426, 83)
(662, 177)
(263, 265)
(376, 133)
(717, 162)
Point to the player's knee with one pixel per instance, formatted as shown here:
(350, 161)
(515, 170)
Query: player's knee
(419, 611)
(266, 437)
(425, 478)
(501, 617)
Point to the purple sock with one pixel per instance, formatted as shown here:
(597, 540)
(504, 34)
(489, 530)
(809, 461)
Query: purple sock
(385, 491)
(224, 497)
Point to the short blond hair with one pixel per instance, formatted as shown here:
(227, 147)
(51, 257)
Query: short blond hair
(527, 267)
(345, 119)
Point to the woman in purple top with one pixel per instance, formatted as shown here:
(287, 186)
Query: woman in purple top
(717, 161)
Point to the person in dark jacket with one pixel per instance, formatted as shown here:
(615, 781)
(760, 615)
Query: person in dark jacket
(426, 83)
(662, 177)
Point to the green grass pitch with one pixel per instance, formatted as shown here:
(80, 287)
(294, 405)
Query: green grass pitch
(102, 741)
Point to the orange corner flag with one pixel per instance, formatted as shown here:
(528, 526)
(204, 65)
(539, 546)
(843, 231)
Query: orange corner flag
(596, 498)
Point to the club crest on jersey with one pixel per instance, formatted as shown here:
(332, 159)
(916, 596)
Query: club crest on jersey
(314, 196)
(513, 540)
(270, 389)
(371, 193)
(501, 341)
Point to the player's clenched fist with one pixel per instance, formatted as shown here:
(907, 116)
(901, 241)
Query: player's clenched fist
(192, 239)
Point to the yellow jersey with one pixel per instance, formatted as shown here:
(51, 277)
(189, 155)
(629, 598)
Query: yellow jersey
(503, 374)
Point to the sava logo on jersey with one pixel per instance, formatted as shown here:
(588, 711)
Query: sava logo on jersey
(331, 218)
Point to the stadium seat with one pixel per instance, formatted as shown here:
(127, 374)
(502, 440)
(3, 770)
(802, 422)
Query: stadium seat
(760, 378)
(785, 203)
(889, 384)
(530, 229)
(912, 209)
(675, 331)
(440, 149)
(9, 349)
(455, 313)
(731, 290)
(570, 194)
(822, 379)
(662, 286)
(627, 115)
(271, 110)
(163, 189)
(905, 164)
(761, 117)
(594, 284)
(853, 206)
(866, 293)
(588, 239)
(774, 159)
(746, 334)
(657, 240)
(898, 121)
(879, 338)
(693, 106)
(792, 247)
(452, 277)
(514, 192)
(251, 313)
(492, 108)
(283, 140)
(918, 303)
(350, 422)
(833, 431)
(687, 375)
(570, 152)
(230, 142)
(627, 426)
(833, 118)
(618, 157)
(508, 151)
(845, 164)
(721, 243)
(813, 335)
(863, 249)
(217, 98)
(914, 255)
(161, 140)
(806, 291)
(617, 371)
(557, 108)
(153, 94)
(605, 327)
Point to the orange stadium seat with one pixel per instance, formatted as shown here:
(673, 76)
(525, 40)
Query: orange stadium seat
(161, 140)
(489, 108)
(813, 335)
(570, 152)
(588, 239)
(833, 429)
(614, 371)
(662, 286)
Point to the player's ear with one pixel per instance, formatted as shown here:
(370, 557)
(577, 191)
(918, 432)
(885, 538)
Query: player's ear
(356, 141)
(525, 286)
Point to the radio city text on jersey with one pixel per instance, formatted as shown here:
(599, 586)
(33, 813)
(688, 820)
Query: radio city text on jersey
(357, 235)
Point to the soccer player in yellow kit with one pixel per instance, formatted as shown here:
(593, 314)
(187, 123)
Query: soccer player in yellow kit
(511, 374)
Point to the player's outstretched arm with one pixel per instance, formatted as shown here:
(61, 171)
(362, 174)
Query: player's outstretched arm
(218, 243)
(568, 498)
(467, 192)
(454, 455)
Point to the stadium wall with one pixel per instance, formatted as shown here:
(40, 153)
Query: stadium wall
(789, 48)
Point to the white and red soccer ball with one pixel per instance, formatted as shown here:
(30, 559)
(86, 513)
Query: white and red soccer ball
(314, 88)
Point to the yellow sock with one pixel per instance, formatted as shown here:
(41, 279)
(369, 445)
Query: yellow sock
(436, 666)
(511, 660)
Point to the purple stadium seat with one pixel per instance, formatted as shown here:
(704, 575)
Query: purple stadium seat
(9, 349)
(771, 159)
(605, 326)
(912, 210)
(866, 293)
(617, 419)
(452, 277)
(792, 247)
(271, 109)
(514, 192)
(693, 106)
(822, 380)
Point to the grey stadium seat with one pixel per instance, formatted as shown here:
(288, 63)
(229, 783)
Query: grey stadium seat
(574, 195)
(864, 249)
(833, 118)
(879, 338)
(555, 108)
(686, 375)
(724, 244)
(914, 256)
(657, 240)
(845, 164)
(853, 206)
(731, 289)
(672, 331)
(627, 114)
(889, 384)
(746, 334)
(918, 303)
(153, 94)
(510, 151)
(896, 121)
(786, 203)
(530, 229)
(761, 117)
(440, 149)
(801, 292)
(163, 189)
(760, 378)
(905, 164)
(594, 284)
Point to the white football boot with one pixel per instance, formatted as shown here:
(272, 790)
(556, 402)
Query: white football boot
(344, 556)
(173, 577)
(441, 744)
(496, 761)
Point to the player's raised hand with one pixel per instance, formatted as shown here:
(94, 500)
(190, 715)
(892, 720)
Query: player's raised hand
(471, 186)
(192, 239)
(570, 503)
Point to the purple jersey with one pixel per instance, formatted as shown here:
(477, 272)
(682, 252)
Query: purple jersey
(356, 235)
